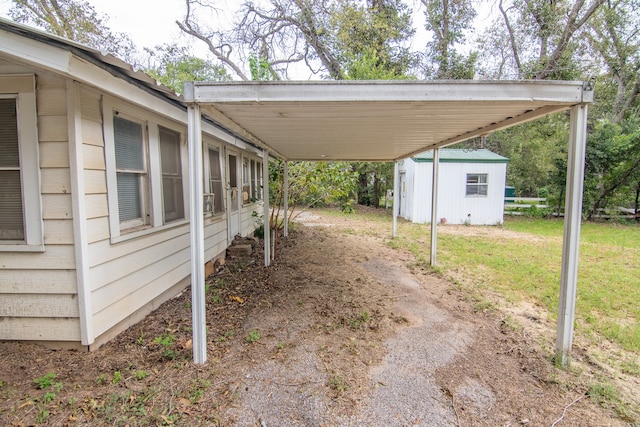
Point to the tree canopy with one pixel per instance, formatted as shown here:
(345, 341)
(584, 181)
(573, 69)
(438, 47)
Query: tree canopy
(376, 39)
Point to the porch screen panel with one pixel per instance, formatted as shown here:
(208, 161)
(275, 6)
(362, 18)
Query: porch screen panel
(11, 209)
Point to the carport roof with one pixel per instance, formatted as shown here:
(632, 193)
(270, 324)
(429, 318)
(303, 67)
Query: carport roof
(376, 120)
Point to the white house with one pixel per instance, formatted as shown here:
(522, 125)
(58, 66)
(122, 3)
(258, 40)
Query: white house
(94, 212)
(471, 187)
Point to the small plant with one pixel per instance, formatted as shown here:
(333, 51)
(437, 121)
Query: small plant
(140, 375)
(198, 389)
(253, 336)
(42, 416)
(167, 342)
(339, 384)
(117, 377)
(102, 379)
(140, 340)
(48, 397)
(280, 346)
(224, 337)
(45, 381)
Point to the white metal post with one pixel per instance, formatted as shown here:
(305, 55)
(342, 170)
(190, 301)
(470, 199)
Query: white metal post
(571, 240)
(265, 197)
(196, 228)
(434, 205)
(396, 197)
(285, 196)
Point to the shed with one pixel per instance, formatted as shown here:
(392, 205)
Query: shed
(473, 187)
(94, 191)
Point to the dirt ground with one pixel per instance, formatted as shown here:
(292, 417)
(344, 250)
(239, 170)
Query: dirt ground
(342, 330)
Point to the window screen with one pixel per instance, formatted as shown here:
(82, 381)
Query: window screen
(11, 209)
(131, 171)
(172, 195)
(215, 180)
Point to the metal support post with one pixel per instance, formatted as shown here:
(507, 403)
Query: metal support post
(434, 206)
(571, 240)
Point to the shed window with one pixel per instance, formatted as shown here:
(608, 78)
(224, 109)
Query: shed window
(132, 174)
(21, 226)
(172, 194)
(477, 184)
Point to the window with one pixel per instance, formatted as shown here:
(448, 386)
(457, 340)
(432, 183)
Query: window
(172, 194)
(215, 181)
(477, 184)
(256, 180)
(21, 226)
(131, 173)
(246, 181)
(11, 218)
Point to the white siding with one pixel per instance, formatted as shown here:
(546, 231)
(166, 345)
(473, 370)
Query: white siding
(453, 204)
(38, 291)
(126, 277)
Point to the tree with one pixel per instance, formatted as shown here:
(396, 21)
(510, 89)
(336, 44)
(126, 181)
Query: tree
(447, 20)
(544, 37)
(75, 20)
(615, 37)
(172, 65)
(311, 184)
(370, 39)
(612, 168)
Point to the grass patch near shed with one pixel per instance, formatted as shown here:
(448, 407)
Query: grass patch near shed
(521, 261)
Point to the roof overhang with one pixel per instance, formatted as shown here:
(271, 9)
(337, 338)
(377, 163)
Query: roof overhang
(376, 120)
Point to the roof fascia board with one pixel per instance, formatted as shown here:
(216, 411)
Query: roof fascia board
(441, 160)
(40, 55)
(224, 121)
(554, 92)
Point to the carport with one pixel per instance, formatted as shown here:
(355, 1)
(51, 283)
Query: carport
(382, 121)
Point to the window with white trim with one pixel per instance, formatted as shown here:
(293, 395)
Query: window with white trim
(215, 181)
(256, 180)
(11, 218)
(21, 226)
(130, 144)
(171, 165)
(477, 184)
(246, 180)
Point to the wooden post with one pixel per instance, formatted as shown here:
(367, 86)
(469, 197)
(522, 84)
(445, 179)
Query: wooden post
(285, 197)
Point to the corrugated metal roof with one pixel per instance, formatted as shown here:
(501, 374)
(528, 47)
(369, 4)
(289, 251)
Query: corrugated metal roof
(461, 155)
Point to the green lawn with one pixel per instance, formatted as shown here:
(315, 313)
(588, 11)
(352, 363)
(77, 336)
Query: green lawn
(526, 266)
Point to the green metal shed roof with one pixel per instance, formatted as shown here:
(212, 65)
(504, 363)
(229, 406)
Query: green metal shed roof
(460, 155)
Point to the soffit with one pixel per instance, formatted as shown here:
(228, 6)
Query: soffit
(376, 121)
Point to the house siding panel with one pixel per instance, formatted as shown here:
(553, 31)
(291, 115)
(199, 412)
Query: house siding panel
(38, 291)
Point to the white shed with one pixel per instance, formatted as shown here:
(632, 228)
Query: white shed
(471, 187)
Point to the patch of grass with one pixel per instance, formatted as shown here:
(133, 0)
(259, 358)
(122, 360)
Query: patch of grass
(197, 390)
(167, 341)
(339, 383)
(46, 381)
(253, 336)
(140, 375)
(117, 377)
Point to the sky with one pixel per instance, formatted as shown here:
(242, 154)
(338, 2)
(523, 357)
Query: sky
(152, 22)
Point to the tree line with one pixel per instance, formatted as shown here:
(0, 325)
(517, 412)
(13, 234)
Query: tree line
(376, 40)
